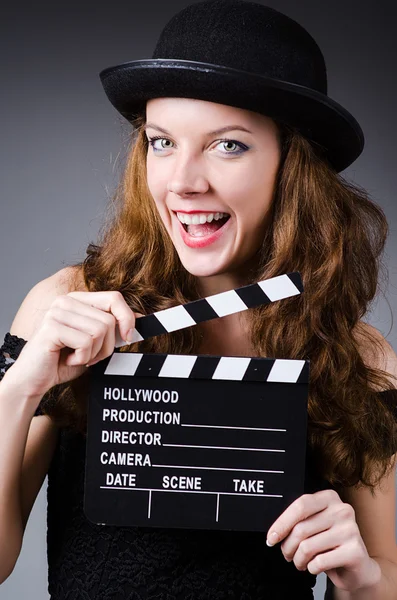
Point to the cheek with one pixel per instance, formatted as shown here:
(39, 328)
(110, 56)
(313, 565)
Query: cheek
(252, 196)
(163, 212)
(157, 186)
(153, 183)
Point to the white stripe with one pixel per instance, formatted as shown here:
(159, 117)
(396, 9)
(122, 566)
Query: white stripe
(279, 287)
(175, 318)
(286, 370)
(149, 504)
(231, 367)
(177, 365)
(123, 363)
(136, 337)
(226, 303)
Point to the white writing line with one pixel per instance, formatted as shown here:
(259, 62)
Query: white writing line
(216, 468)
(150, 504)
(230, 427)
(217, 507)
(136, 489)
(224, 448)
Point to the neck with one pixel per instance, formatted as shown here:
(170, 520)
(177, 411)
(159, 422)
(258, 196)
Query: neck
(226, 336)
(216, 284)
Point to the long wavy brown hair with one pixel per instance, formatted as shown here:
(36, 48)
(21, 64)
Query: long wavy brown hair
(322, 226)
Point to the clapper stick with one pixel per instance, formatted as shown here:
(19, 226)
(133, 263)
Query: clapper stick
(203, 442)
(215, 306)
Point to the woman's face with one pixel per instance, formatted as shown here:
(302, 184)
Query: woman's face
(196, 173)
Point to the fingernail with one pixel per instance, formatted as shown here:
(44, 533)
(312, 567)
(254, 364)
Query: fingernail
(129, 336)
(272, 539)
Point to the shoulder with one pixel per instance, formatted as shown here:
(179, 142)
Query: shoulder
(375, 350)
(40, 297)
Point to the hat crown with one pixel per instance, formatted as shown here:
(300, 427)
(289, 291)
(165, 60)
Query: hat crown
(247, 36)
(244, 54)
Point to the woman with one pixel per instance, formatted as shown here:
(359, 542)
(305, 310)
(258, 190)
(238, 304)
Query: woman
(249, 140)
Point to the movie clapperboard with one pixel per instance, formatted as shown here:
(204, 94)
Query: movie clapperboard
(200, 442)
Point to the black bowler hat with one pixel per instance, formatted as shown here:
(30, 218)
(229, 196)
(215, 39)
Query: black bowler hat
(246, 55)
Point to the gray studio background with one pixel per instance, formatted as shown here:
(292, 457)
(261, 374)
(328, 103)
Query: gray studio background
(62, 141)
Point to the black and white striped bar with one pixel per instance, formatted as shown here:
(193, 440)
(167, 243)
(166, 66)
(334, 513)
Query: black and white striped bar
(225, 368)
(215, 306)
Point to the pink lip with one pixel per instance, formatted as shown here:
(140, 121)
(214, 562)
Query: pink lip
(201, 242)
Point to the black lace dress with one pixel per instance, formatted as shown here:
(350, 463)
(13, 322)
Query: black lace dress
(88, 561)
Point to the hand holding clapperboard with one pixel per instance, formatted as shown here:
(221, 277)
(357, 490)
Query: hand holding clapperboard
(201, 442)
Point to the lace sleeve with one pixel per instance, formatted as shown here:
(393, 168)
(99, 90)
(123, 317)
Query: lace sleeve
(9, 352)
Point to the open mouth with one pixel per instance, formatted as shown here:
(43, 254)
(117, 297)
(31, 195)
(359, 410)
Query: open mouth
(209, 223)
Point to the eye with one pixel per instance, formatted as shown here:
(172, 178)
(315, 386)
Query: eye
(153, 139)
(233, 143)
(224, 142)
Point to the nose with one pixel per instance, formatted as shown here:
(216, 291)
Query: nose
(187, 178)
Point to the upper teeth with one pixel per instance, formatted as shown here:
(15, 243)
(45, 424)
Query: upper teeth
(200, 219)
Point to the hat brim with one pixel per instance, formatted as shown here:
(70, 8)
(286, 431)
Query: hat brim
(129, 85)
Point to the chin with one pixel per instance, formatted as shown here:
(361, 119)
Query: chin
(204, 270)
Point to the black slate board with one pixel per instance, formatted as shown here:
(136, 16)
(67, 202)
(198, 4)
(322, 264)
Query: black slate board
(220, 445)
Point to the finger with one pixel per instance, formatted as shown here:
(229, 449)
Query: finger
(70, 303)
(119, 342)
(67, 302)
(113, 302)
(80, 316)
(319, 543)
(305, 529)
(348, 556)
(57, 336)
(304, 507)
(101, 329)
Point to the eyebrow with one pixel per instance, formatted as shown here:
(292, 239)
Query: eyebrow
(216, 132)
